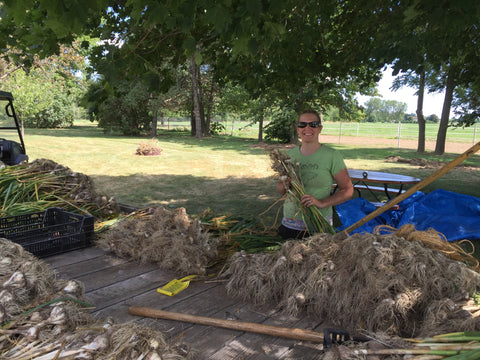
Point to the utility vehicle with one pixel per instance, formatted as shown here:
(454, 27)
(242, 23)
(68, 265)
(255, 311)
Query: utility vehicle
(12, 147)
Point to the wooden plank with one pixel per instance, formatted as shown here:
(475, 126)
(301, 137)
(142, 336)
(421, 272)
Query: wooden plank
(89, 266)
(114, 285)
(119, 291)
(211, 301)
(112, 275)
(254, 346)
(71, 257)
(212, 339)
(141, 290)
(302, 349)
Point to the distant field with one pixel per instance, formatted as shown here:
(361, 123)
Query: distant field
(223, 173)
(406, 131)
(402, 131)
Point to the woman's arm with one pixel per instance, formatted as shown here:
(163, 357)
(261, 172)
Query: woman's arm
(343, 193)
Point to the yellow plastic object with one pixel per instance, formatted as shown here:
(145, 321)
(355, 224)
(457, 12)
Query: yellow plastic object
(175, 286)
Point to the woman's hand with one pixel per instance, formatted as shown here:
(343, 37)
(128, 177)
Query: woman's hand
(283, 184)
(309, 200)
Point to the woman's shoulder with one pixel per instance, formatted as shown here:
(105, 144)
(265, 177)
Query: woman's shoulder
(294, 151)
(327, 148)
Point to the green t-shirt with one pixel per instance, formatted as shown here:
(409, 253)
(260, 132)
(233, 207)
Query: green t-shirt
(316, 173)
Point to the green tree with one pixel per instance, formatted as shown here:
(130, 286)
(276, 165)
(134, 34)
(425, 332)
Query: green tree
(289, 46)
(47, 93)
(249, 40)
(125, 109)
(432, 118)
(467, 105)
(415, 79)
(442, 35)
(378, 110)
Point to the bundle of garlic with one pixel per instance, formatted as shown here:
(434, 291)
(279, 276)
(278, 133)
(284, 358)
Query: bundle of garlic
(34, 303)
(373, 282)
(106, 342)
(44, 318)
(169, 238)
(24, 279)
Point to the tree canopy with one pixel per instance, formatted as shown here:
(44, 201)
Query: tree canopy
(300, 54)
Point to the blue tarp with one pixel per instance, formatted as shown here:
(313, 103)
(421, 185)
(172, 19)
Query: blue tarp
(456, 216)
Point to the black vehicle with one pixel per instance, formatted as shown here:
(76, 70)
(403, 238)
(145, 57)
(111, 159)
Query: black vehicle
(11, 152)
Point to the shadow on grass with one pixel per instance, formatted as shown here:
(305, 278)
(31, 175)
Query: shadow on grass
(457, 180)
(238, 196)
(243, 195)
(217, 142)
(351, 152)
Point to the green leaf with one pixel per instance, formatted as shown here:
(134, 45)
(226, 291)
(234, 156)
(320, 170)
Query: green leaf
(189, 44)
(240, 45)
(158, 12)
(274, 29)
(410, 13)
(198, 58)
(219, 17)
(254, 7)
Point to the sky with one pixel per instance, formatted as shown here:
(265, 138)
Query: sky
(432, 103)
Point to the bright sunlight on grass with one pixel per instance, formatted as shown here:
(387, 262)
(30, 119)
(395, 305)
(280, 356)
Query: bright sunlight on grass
(227, 174)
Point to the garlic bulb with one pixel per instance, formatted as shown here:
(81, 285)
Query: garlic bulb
(17, 280)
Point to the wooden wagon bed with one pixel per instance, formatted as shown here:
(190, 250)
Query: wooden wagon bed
(112, 285)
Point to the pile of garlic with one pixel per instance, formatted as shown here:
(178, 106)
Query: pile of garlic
(44, 317)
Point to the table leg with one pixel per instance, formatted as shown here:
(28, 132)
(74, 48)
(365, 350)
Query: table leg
(385, 186)
(371, 192)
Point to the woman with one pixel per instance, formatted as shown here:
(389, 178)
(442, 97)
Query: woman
(320, 166)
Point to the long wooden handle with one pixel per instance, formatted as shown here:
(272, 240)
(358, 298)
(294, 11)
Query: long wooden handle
(443, 170)
(290, 333)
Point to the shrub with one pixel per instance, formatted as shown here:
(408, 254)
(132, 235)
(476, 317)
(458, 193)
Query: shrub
(58, 114)
(216, 128)
(127, 110)
(281, 127)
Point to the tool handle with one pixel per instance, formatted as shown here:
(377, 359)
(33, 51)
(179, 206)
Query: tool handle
(443, 170)
(290, 333)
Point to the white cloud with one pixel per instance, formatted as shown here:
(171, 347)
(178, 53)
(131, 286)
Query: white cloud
(432, 103)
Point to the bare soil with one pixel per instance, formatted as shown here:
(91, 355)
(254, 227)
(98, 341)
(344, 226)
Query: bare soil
(450, 147)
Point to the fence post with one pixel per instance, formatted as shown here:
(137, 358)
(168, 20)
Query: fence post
(340, 133)
(399, 132)
(474, 133)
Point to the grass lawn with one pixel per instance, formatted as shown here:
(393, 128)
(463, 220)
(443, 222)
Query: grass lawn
(227, 174)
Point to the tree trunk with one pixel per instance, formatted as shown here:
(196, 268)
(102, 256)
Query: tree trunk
(420, 117)
(154, 123)
(209, 106)
(260, 120)
(447, 104)
(196, 98)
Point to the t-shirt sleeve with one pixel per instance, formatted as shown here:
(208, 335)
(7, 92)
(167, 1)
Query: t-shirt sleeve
(338, 164)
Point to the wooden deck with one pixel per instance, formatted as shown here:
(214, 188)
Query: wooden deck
(112, 285)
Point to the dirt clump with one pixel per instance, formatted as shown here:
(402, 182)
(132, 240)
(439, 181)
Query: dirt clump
(425, 164)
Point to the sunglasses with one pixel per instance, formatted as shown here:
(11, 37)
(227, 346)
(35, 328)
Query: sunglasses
(313, 124)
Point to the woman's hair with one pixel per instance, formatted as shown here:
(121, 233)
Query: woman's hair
(310, 111)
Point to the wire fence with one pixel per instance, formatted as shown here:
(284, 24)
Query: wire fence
(399, 131)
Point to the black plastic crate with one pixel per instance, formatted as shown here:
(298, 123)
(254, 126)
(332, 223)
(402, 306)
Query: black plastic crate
(49, 232)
